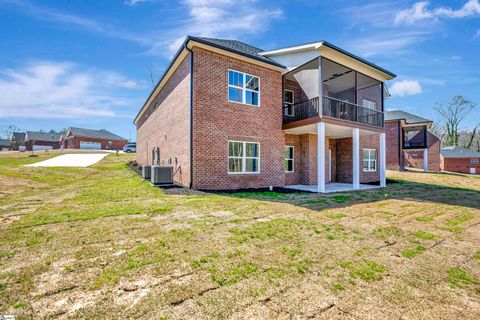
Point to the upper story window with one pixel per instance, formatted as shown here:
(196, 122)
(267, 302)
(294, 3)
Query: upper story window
(243, 88)
(243, 157)
(369, 104)
(289, 99)
(369, 160)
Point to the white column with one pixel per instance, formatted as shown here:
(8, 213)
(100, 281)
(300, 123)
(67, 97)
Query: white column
(356, 158)
(320, 88)
(383, 162)
(321, 157)
(425, 159)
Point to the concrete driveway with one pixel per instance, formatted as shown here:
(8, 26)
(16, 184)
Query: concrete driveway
(71, 160)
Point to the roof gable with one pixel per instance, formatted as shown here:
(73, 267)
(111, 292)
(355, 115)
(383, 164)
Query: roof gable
(91, 133)
(458, 152)
(409, 118)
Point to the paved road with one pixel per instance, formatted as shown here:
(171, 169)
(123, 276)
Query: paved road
(71, 160)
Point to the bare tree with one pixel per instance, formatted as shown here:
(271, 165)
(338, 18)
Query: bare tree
(471, 137)
(9, 130)
(453, 113)
(438, 129)
(151, 74)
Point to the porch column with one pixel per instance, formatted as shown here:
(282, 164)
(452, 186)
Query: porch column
(320, 88)
(425, 159)
(383, 162)
(356, 158)
(321, 157)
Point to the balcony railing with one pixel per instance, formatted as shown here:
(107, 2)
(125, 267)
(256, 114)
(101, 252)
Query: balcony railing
(333, 108)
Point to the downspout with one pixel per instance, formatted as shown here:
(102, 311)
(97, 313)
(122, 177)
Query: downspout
(191, 113)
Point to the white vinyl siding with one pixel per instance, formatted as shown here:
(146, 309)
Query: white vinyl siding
(243, 88)
(369, 160)
(243, 157)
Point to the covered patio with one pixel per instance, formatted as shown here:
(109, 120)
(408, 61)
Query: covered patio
(332, 187)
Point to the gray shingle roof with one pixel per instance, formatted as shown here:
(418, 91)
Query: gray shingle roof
(403, 115)
(18, 136)
(459, 152)
(98, 134)
(237, 47)
(4, 142)
(43, 136)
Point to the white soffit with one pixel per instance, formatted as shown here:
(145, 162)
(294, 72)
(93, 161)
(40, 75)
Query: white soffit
(295, 59)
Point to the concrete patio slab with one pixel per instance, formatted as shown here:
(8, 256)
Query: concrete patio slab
(71, 160)
(332, 187)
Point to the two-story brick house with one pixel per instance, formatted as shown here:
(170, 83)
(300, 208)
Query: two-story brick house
(228, 115)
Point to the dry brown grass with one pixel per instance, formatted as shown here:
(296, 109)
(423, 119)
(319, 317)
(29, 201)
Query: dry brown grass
(99, 243)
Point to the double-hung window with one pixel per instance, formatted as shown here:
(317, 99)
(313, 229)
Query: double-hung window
(243, 88)
(289, 160)
(369, 160)
(369, 104)
(288, 108)
(243, 157)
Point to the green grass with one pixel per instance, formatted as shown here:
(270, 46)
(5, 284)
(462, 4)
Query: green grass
(412, 252)
(364, 269)
(425, 235)
(453, 225)
(458, 276)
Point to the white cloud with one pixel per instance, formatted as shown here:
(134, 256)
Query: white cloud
(135, 2)
(420, 12)
(62, 90)
(405, 88)
(218, 18)
(477, 35)
(386, 44)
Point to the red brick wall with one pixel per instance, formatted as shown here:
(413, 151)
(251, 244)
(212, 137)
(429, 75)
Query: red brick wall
(166, 124)
(461, 165)
(216, 121)
(414, 158)
(344, 160)
(298, 93)
(295, 177)
(393, 142)
(74, 143)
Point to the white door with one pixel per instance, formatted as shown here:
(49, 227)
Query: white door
(40, 147)
(473, 170)
(90, 145)
(329, 165)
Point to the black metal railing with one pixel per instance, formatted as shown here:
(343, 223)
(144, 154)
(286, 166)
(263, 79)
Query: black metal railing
(301, 110)
(332, 108)
(349, 111)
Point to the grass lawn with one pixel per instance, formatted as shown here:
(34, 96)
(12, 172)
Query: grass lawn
(99, 242)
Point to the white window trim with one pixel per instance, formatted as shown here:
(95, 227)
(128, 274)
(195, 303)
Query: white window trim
(370, 160)
(244, 89)
(244, 157)
(289, 103)
(293, 159)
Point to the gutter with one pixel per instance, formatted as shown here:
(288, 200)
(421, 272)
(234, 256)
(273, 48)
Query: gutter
(191, 114)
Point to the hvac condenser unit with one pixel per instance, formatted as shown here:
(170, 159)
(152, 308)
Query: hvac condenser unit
(162, 175)
(147, 172)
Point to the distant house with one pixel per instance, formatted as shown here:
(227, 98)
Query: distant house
(17, 140)
(410, 144)
(79, 138)
(4, 144)
(35, 140)
(459, 159)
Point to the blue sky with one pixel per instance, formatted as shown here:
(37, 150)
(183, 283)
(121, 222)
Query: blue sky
(89, 63)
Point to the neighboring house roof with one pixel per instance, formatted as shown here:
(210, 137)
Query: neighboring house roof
(4, 142)
(43, 136)
(236, 47)
(406, 116)
(459, 152)
(18, 136)
(97, 134)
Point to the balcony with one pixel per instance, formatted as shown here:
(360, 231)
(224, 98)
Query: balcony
(333, 108)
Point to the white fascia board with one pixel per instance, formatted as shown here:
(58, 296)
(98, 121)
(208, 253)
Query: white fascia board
(308, 46)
